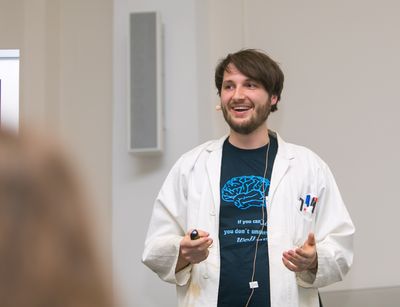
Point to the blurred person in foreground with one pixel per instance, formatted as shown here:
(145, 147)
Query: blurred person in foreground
(47, 254)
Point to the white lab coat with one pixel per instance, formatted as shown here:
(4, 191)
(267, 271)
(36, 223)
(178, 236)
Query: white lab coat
(190, 198)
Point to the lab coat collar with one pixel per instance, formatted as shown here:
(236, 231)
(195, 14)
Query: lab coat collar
(216, 145)
(284, 151)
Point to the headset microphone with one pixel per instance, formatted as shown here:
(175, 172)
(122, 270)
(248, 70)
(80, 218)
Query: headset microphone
(218, 107)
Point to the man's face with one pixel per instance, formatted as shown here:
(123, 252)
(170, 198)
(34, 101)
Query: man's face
(245, 103)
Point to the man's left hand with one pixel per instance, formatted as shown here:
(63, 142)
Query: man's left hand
(302, 258)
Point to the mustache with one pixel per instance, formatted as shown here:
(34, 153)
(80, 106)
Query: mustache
(233, 104)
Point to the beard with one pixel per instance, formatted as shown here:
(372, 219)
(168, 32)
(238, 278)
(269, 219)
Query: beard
(250, 125)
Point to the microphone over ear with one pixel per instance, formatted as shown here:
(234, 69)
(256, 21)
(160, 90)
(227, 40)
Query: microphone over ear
(218, 107)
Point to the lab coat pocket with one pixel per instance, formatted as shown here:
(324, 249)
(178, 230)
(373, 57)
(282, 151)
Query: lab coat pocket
(304, 220)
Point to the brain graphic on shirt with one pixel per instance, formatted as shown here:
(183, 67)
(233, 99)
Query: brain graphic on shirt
(245, 192)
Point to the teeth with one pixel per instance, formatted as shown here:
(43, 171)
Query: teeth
(241, 108)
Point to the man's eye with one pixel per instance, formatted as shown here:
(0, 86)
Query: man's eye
(228, 86)
(251, 85)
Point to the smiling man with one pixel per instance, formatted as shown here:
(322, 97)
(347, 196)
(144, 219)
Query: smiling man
(249, 220)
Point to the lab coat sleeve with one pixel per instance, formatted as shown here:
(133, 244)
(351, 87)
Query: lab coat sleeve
(334, 232)
(167, 228)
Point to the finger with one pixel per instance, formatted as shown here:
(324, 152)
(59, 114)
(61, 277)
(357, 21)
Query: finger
(296, 256)
(194, 255)
(198, 253)
(311, 239)
(302, 252)
(201, 232)
(197, 245)
(201, 244)
(290, 256)
(208, 242)
(289, 265)
(296, 259)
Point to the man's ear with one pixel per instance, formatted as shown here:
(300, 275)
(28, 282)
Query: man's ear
(274, 100)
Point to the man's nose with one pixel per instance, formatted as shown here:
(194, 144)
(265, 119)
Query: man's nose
(239, 94)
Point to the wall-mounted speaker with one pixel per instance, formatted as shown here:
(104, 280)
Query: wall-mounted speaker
(145, 83)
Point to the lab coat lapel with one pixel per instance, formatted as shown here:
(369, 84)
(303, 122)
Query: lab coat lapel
(214, 172)
(281, 165)
(280, 168)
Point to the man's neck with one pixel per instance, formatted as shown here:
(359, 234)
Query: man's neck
(256, 139)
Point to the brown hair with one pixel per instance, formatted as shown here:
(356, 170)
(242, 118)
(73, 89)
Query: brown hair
(48, 257)
(256, 65)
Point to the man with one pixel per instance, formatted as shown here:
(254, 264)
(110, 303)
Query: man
(270, 222)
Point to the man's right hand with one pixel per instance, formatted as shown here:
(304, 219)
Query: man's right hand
(193, 251)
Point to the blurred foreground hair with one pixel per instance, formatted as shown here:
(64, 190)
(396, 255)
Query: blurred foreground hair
(47, 254)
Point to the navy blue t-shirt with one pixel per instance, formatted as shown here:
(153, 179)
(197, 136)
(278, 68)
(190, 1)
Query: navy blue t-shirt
(243, 191)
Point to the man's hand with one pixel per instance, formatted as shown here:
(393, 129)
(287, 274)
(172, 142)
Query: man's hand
(303, 258)
(193, 251)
